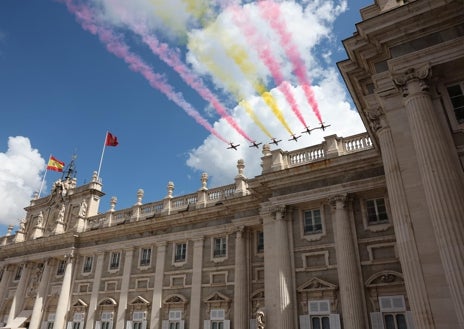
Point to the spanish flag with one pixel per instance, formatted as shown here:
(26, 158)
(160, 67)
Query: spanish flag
(55, 164)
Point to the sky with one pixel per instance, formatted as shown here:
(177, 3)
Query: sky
(175, 81)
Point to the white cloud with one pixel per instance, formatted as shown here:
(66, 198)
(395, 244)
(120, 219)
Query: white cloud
(21, 167)
(214, 158)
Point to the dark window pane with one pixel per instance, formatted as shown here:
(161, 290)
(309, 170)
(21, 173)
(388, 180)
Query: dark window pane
(389, 321)
(401, 321)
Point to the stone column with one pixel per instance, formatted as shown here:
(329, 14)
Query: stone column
(158, 286)
(39, 302)
(65, 293)
(347, 265)
(122, 306)
(284, 273)
(7, 269)
(195, 305)
(270, 272)
(18, 299)
(442, 178)
(241, 282)
(405, 240)
(95, 290)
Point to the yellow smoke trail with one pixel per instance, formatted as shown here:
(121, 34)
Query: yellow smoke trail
(218, 72)
(198, 9)
(241, 58)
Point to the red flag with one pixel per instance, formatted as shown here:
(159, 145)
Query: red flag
(55, 164)
(111, 140)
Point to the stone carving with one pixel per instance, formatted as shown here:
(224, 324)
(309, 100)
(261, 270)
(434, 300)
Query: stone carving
(22, 225)
(260, 319)
(376, 118)
(40, 219)
(61, 214)
(83, 209)
(342, 199)
(413, 80)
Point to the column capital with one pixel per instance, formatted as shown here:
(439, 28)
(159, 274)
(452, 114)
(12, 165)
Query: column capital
(377, 119)
(339, 201)
(240, 232)
(279, 211)
(413, 80)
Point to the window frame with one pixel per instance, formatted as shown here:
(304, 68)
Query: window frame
(221, 242)
(260, 242)
(375, 227)
(142, 259)
(111, 262)
(181, 260)
(313, 221)
(315, 236)
(378, 220)
(61, 267)
(87, 265)
(18, 273)
(448, 103)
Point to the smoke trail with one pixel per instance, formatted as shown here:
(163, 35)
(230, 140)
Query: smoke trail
(271, 11)
(242, 20)
(172, 59)
(240, 57)
(230, 84)
(117, 47)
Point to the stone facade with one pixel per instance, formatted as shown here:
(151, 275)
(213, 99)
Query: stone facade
(358, 232)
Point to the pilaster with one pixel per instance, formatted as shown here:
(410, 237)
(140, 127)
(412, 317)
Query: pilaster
(195, 307)
(65, 293)
(122, 306)
(40, 299)
(347, 265)
(95, 289)
(240, 282)
(442, 178)
(18, 298)
(158, 286)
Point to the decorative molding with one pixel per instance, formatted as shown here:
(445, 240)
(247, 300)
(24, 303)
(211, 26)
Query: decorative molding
(404, 80)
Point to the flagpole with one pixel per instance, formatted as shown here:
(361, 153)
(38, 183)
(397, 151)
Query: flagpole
(43, 179)
(103, 152)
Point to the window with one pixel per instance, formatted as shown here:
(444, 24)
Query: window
(139, 320)
(217, 318)
(456, 94)
(19, 270)
(1, 274)
(320, 322)
(61, 267)
(175, 319)
(312, 221)
(260, 241)
(78, 320)
(319, 316)
(114, 260)
(107, 320)
(50, 320)
(88, 260)
(180, 254)
(376, 211)
(220, 247)
(145, 257)
(393, 312)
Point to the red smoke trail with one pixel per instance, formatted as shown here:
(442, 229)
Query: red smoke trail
(242, 20)
(172, 59)
(271, 11)
(136, 64)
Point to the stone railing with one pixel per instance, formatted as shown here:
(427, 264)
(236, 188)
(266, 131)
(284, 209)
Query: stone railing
(333, 146)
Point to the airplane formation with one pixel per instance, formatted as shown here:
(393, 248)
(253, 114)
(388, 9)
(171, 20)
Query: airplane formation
(293, 137)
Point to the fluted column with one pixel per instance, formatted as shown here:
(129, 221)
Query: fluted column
(240, 282)
(65, 293)
(122, 306)
(195, 307)
(39, 302)
(405, 240)
(95, 290)
(347, 265)
(442, 178)
(158, 286)
(284, 271)
(18, 298)
(270, 272)
(7, 270)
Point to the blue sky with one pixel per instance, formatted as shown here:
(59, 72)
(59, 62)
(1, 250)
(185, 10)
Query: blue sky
(61, 90)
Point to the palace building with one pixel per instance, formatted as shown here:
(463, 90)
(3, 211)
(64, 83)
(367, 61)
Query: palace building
(364, 231)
